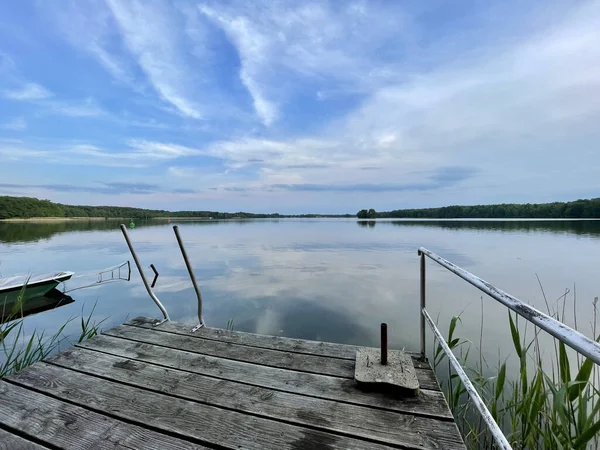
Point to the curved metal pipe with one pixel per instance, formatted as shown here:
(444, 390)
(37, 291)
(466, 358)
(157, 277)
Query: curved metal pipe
(141, 271)
(192, 277)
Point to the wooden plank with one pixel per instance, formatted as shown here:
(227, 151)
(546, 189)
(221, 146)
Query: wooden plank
(9, 441)
(331, 416)
(321, 386)
(272, 358)
(62, 425)
(266, 357)
(183, 418)
(329, 349)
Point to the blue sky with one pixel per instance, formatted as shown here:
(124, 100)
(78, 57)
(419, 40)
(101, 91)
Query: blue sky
(299, 106)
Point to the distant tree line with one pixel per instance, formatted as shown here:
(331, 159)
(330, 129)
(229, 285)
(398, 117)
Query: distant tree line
(27, 207)
(578, 209)
(367, 214)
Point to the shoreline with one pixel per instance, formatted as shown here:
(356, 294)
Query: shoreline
(206, 219)
(56, 219)
(94, 219)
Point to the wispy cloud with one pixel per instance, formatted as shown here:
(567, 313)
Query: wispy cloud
(182, 172)
(16, 124)
(134, 154)
(102, 188)
(318, 101)
(87, 108)
(425, 181)
(253, 48)
(317, 43)
(106, 188)
(91, 29)
(151, 36)
(442, 178)
(30, 91)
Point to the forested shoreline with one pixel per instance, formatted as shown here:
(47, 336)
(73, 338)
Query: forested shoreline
(28, 207)
(578, 209)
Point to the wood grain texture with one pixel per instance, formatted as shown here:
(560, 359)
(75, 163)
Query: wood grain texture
(177, 417)
(9, 441)
(284, 344)
(266, 357)
(330, 416)
(63, 425)
(429, 402)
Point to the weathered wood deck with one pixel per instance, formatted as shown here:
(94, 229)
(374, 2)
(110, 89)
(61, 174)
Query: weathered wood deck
(138, 386)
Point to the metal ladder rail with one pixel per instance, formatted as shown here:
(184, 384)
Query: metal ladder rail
(145, 281)
(192, 277)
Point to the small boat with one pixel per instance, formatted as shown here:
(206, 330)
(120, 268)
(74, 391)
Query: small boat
(22, 295)
(32, 286)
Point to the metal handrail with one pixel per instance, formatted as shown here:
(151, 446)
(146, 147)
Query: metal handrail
(559, 330)
(473, 394)
(143, 276)
(192, 277)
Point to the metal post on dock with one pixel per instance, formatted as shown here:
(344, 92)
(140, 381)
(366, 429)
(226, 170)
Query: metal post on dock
(192, 277)
(143, 276)
(384, 344)
(422, 308)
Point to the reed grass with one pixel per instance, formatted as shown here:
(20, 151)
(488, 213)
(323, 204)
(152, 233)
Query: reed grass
(230, 324)
(551, 402)
(18, 350)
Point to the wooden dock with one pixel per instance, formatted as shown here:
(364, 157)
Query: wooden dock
(143, 387)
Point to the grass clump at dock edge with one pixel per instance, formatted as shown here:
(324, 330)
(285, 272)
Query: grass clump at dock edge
(19, 350)
(552, 402)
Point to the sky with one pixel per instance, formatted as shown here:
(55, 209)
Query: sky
(298, 107)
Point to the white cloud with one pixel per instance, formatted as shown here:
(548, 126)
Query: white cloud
(182, 172)
(281, 48)
(350, 93)
(509, 111)
(254, 48)
(152, 38)
(159, 150)
(17, 124)
(114, 66)
(136, 154)
(90, 28)
(264, 152)
(87, 108)
(534, 89)
(30, 91)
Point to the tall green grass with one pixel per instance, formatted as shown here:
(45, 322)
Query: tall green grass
(19, 350)
(551, 402)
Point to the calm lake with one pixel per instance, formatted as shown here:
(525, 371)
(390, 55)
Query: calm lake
(330, 279)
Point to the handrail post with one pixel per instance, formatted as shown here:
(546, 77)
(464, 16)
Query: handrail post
(143, 276)
(422, 307)
(192, 277)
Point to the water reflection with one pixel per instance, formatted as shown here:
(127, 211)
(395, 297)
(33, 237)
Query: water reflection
(53, 299)
(580, 227)
(366, 223)
(14, 232)
(315, 279)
